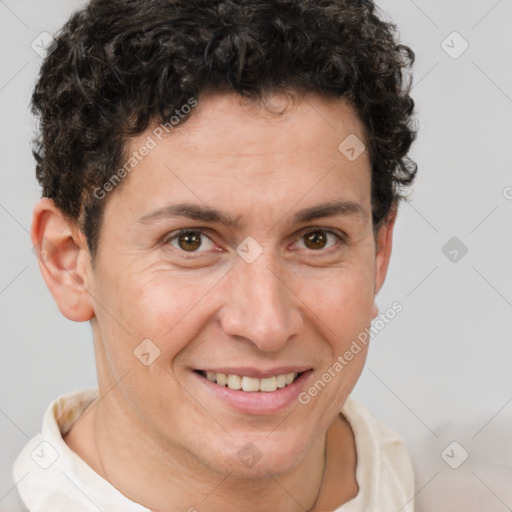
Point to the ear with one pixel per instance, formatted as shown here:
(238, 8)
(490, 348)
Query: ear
(63, 259)
(383, 248)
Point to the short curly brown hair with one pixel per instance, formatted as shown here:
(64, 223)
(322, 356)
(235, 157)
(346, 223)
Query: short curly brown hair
(120, 65)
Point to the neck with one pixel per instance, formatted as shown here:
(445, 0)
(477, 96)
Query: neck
(147, 471)
(166, 474)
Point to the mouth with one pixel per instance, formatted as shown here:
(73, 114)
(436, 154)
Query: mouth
(251, 383)
(251, 390)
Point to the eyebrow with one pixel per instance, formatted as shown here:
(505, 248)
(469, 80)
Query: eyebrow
(331, 209)
(207, 214)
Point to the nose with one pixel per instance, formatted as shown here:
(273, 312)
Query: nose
(261, 306)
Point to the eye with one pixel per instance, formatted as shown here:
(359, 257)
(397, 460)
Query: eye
(189, 240)
(317, 239)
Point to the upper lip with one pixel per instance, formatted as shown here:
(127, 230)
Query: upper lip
(251, 371)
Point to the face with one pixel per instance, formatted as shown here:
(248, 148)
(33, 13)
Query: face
(241, 245)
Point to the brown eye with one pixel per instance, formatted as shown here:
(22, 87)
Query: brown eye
(188, 241)
(315, 240)
(318, 239)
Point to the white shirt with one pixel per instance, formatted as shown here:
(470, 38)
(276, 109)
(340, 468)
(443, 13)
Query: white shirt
(52, 478)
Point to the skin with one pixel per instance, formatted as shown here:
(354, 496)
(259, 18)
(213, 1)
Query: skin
(157, 434)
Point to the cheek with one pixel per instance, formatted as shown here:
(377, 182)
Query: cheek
(164, 308)
(341, 314)
(341, 301)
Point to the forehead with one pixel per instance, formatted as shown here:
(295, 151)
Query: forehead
(231, 125)
(235, 152)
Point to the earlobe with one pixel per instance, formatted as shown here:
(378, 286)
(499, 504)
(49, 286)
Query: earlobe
(63, 258)
(384, 247)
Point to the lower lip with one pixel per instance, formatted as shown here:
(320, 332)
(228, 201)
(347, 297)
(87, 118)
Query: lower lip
(257, 402)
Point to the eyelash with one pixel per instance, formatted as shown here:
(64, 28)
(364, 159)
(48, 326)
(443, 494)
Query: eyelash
(341, 237)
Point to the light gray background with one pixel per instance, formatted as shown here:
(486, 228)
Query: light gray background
(440, 372)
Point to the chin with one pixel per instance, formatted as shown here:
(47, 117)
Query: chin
(260, 459)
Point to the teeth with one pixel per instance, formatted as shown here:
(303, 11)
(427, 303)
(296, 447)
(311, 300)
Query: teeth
(235, 382)
(221, 378)
(251, 384)
(281, 381)
(290, 377)
(268, 384)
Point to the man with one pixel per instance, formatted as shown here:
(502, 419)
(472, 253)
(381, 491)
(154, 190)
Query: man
(220, 185)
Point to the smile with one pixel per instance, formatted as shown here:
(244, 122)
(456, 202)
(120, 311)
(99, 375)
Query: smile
(251, 384)
(251, 390)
